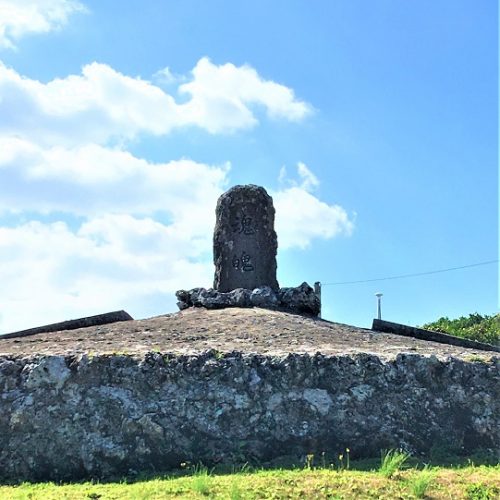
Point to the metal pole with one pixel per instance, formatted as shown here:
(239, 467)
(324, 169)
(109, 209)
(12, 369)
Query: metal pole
(379, 304)
(317, 291)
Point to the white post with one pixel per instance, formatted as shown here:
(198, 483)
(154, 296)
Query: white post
(379, 304)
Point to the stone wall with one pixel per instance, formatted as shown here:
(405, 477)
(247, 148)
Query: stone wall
(73, 417)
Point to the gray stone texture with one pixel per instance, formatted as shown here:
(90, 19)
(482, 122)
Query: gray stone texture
(245, 243)
(79, 416)
(300, 299)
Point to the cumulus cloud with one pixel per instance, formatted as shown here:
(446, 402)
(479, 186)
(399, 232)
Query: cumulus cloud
(19, 18)
(92, 179)
(97, 106)
(101, 104)
(222, 97)
(51, 272)
(306, 181)
(143, 231)
(301, 216)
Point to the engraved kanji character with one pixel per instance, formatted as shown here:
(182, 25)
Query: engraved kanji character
(245, 262)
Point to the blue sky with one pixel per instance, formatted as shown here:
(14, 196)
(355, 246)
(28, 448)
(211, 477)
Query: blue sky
(374, 126)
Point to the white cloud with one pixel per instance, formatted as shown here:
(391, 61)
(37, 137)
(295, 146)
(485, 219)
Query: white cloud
(102, 104)
(166, 77)
(307, 180)
(144, 230)
(222, 96)
(19, 18)
(99, 105)
(302, 217)
(93, 179)
(51, 273)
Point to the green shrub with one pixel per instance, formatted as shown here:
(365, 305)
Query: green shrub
(474, 327)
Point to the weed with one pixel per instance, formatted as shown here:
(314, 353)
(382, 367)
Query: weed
(343, 460)
(392, 462)
(200, 481)
(421, 483)
(478, 491)
(237, 469)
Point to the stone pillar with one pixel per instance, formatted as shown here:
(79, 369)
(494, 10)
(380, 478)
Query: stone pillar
(245, 243)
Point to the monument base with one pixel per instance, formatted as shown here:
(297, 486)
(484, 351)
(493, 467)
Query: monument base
(301, 299)
(233, 386)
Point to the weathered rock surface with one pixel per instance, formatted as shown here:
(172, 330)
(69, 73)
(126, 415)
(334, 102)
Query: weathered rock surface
(245, 243)
(73, 417)
(246, 330)
(300, 299)
(233, 385)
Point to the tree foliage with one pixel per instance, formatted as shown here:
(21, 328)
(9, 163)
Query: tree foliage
(475, 327)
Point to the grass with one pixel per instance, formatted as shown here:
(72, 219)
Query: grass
(391, 462)
(470, 482)
(478, 491)
(422, 481)
(201, 480)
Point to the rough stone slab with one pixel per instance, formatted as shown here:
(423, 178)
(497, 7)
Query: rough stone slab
(301, 299)
(67, 418)
(245, 243)
(419, 333)
(73, 324)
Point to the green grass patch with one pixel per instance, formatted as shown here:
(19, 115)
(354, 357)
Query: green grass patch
(420, 484)
(470, 482)
(391, 462)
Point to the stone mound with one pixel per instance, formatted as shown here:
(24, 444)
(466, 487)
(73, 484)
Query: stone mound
(232, 386)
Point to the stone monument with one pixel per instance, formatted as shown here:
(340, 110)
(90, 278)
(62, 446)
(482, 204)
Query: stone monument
(245, 246)
(245, 243)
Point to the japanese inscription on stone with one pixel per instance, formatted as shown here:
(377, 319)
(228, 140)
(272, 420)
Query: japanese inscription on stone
(245, 242)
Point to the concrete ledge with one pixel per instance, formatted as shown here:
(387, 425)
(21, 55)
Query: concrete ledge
(419, 333)
(73, 324)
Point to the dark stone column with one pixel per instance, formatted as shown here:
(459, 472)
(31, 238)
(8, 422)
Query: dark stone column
(245, 243)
